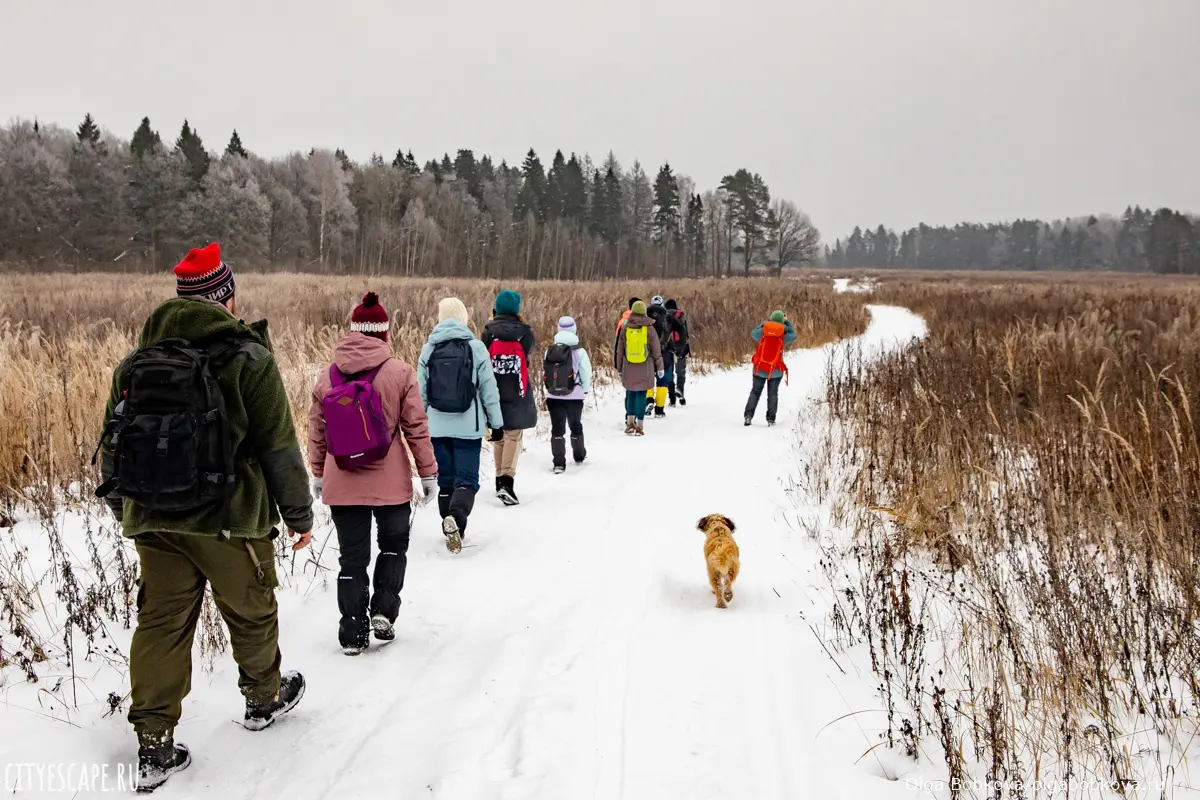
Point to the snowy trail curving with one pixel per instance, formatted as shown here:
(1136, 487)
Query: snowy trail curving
(572, 650)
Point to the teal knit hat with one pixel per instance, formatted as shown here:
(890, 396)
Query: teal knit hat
(508, 302)
(777, 316)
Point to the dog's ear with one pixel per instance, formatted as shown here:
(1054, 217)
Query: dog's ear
(729, 523)
(702, 525)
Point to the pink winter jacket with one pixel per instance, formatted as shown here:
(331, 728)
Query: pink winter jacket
(387, 482)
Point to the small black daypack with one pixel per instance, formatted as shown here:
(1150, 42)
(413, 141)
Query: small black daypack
(172, 448)
(450, 385)
(558, 370)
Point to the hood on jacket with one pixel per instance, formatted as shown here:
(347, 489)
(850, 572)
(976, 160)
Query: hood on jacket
(569, 338)
(358, 352)
(197, 319)
(448, 329)
(508, 328)
(639, 321)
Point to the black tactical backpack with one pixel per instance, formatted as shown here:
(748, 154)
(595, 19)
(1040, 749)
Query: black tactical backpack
(170, 433)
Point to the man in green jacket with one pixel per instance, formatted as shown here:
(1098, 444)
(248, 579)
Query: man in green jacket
(227, 543)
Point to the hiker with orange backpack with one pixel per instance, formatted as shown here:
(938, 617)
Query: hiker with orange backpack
(773, 337)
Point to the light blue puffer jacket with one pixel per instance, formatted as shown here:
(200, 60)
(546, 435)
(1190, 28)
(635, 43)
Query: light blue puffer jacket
(475, 421)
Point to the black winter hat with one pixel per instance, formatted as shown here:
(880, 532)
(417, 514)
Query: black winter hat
(671, 305)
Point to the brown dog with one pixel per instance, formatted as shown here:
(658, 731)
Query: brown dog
(721, 555)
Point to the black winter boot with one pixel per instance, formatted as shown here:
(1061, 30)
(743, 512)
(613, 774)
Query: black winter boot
(444, 502)
(354, 597)
(263, 715)
(461, 504)
(508, 493)
(671, 395)
(159, 762)
(558, 450)
(578, 451)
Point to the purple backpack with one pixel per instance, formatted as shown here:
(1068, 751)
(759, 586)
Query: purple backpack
(356, 432)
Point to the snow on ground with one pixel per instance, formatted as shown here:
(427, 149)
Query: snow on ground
(571, 650)
(844, 285)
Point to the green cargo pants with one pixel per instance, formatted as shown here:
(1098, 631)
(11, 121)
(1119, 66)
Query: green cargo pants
(175, 568)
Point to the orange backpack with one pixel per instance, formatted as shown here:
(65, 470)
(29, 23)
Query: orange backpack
(621, 322)
(768, 356)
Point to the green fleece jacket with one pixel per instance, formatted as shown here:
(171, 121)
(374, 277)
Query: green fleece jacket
(271, 478)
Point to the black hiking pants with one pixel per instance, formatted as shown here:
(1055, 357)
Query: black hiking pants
(564, 414)
(772, 396)
(355, 600)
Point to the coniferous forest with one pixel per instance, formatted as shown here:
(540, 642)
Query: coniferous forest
(85, 199)
(1163, 241)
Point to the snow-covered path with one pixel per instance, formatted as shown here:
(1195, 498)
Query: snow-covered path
(572, 650)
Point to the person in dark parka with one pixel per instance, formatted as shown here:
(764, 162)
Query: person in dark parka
(510, 341)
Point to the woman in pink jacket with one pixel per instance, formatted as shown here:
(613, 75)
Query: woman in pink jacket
(367, 391)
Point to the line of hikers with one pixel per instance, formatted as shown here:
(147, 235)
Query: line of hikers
(200, 463)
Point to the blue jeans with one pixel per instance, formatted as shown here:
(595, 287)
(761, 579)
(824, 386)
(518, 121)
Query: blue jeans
(635, 404)
(458, 462)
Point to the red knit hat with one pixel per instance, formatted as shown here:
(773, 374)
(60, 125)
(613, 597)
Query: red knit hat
(370, 318)
(202, 273)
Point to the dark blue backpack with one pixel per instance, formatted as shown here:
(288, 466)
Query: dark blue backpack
(451, 382)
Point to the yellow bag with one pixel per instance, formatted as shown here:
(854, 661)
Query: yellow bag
(635, 345)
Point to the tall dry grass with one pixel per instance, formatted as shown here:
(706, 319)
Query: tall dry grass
(61, 336)
(1027, 543)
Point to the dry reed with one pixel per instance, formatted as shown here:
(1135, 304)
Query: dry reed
(1028, 579)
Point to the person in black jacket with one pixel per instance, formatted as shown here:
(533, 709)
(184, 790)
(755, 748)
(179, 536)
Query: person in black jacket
(666, 326)
(683, 348)
(510, 341)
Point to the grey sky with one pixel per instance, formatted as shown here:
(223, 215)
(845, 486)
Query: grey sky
(862, 111)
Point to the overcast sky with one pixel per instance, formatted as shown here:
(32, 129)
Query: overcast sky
(861, 111)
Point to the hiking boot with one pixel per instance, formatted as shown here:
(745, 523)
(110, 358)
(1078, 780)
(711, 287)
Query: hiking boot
(382, 627)
(508, 493)
(558, 452)
(770, 423)
(263, 715)
(578, 451)
(353, 649)
(748, 421)
(156, 764)
(630, 425)
(453, 535)
(682, 400)
(659, 411)
(500, 487)
(639, 428)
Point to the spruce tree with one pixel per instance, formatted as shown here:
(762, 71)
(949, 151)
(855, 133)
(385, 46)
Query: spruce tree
(88, 132)
(554, 186)
(598, 207)
(666, 206)
(749, 202)
(532, 197)
(235, 148)
(574, 191)
(192, 148)
(145, 140)
(466, 171)
(615, 207)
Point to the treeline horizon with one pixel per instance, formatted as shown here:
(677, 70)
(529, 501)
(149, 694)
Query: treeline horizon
(85, 199)
(1165, 241)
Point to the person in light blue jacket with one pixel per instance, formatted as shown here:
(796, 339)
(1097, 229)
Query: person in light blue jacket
(568, 379)
(458, 436)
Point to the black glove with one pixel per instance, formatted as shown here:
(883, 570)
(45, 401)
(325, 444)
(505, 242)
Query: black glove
(497, 435)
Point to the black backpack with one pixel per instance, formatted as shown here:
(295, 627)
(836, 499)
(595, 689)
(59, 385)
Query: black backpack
(558, 370)
(450, 386)
(172, 449)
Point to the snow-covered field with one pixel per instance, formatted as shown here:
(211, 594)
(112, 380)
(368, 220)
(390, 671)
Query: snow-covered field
(571, 651)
